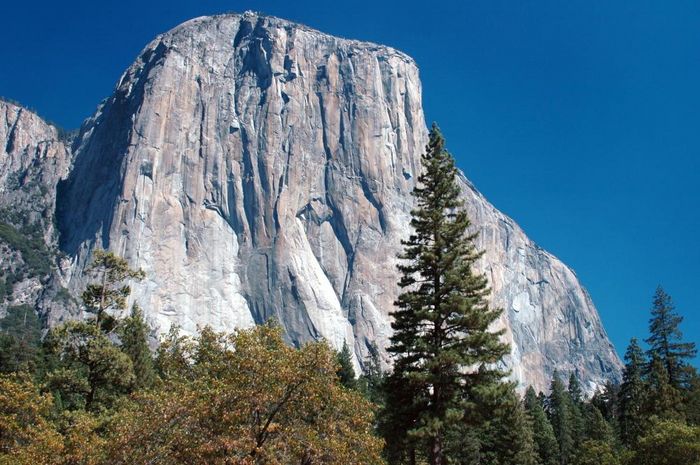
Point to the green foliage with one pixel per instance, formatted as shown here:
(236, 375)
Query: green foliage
(441, 325)
(597, 428)
(26, 436)
(108, 291)
(669, 442)
(173, 356)
(543, 433)
(249, 399)
(560, 409)
(397, 418)
(607, 401)
(87, 369)
(666, 340)
(345, 371)
(30, 244)
(508, 438)
(133, 333)
(632, 392)
(692, 401)
(661, 399)
(594, 452)
(20, 340)
(371, 382)
(63, 296)
(578, 422)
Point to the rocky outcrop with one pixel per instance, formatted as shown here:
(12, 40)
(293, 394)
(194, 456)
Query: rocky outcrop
(256, 168)
(33, 158)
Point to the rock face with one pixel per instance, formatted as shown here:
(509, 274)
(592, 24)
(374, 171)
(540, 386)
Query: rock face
(33, 159)
(255, 169)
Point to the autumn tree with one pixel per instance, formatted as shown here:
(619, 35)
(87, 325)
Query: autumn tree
(249, 399)
(26, 434)
(442, 342)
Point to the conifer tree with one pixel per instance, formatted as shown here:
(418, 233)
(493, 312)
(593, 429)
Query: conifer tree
(666, 340)
(509, 436)
(108, 291)
(20, 340)
(662, 400)
(632, 395)
(692, 401)
(559, 408)
(89, 371)
(607, 401)
(597, 428)
(597, 453)
(543, 433)
(398, 418)
(578, 422)
(370, 382)
(133, 332)
(346, 372)
(442, 344)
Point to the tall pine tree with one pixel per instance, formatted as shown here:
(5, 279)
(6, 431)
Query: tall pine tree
(543, 433)
(632, 395)
(666, 341)
(346, 372)
(661, 399)
(578, 422)
(442, 344)
(560, 410)
(133, 333)
(109, 291)
(509, 436)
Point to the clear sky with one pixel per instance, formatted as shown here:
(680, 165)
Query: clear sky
(579, 118)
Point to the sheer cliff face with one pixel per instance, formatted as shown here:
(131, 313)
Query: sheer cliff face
(32, 161)
(257, 169)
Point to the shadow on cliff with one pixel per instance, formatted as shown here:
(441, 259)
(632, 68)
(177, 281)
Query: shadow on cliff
(87, 199)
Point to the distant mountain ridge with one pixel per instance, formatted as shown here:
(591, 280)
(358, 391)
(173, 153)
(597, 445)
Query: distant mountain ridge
(256, 168)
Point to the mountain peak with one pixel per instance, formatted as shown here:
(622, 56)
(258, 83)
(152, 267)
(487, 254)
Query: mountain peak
(256, 168)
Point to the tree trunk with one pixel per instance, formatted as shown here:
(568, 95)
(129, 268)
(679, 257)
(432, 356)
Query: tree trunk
(436, 452)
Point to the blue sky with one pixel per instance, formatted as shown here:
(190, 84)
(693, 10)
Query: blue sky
(580, 119)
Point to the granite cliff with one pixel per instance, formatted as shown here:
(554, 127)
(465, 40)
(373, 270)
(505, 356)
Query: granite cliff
(255, 169)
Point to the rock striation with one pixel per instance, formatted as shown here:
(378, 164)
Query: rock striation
(256, 169)
(34, 157)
